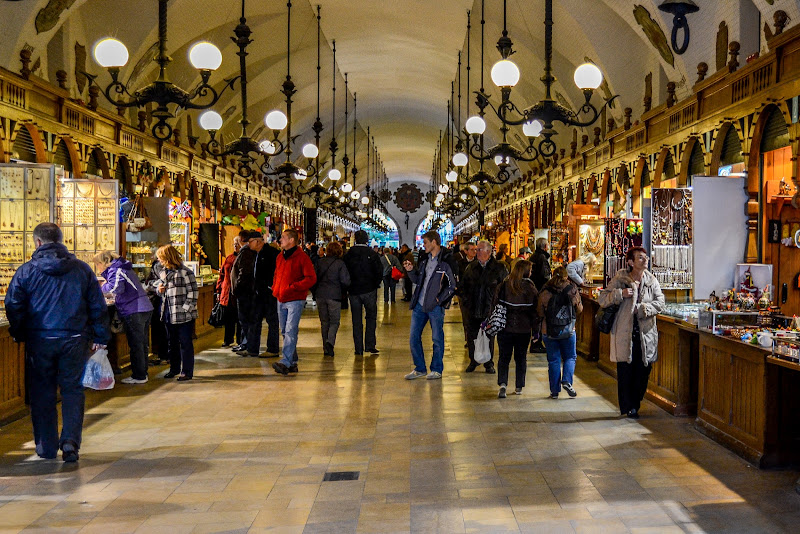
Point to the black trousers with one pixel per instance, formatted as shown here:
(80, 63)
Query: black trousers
(364, 337)
(509, 343)
(181, 348)
(158, 331)
(233, 329)
(252, 315)
(56, 363)
(137, 330)
(407, 287)
(632, 378)
(473, 326)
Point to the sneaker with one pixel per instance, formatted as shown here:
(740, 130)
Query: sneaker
(131, 380)
(569, 389)
(518, 391)
(434, 375)
(502, 393)
(414, 374)
(554, 395)
(280, 368)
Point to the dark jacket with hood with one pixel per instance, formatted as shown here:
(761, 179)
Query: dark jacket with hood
(332, 277)
(56, 295)
(541, 268)
(366, 271)
(478, 286)
(521, 317)
(129, 295)
(243, 274)
(266, 259)
(441, 288)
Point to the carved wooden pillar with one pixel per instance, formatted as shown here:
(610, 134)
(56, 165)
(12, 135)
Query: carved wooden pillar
(25, 59)
(628, 113)
(733, 51)
(671, 94)
(702, 70)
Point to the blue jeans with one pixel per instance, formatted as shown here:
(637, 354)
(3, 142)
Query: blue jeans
(558, 350)
(418, 320)
(289, 316)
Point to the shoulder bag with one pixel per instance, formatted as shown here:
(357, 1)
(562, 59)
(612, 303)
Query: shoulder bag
(497, 319)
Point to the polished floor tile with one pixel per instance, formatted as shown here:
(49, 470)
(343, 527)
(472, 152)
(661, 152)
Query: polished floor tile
(241, 449)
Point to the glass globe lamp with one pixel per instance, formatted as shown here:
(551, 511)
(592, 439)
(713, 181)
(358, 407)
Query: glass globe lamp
(267, 147)
(110, 53)
(310, 150)
(451, 176)
(347, 187)
(460, 159)
(532, 129)
(334, 174)
(505, 73)
(276, 120)
(211, 120)
(588, 76)
(475, 125)
(205, 56)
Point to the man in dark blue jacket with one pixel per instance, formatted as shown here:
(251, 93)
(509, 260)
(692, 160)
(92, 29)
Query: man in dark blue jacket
(436, 285)
(54, 304)
(366, 274)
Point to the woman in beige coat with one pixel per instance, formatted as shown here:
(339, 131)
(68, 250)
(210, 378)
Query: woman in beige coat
(634, 335)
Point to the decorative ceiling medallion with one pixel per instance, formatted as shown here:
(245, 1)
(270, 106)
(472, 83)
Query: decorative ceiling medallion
(408, 198)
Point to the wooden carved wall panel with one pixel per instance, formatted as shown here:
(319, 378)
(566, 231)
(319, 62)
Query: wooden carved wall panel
(665, 370)
(746, 413)
(715, 383)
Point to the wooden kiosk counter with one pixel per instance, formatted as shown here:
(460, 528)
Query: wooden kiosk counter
(742, 396)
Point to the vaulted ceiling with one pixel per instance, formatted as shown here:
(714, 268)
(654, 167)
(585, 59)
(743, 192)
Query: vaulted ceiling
(400, 56)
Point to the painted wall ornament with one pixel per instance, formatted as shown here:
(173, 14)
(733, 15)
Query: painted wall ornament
(80, 67)
(47, 17)
(654, 33)
(408, 198)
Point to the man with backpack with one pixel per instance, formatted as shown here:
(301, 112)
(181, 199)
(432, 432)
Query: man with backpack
(366, 274)
(559, 304)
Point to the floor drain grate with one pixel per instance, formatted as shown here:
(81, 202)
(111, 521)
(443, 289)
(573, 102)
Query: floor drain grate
(337, 476)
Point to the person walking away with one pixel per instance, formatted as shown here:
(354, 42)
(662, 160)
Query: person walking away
(54, 305)
(366, 274)
(133, 307)
(436, 285)
(578, 270)
(480, 281)
(389, 260)
(467, 255)
(332, 276)
(177, 285)
(405, 254)
(518, 294)
(540, 274)
(294, 276)
(232, 327)
(502, 255)
(243, 286)
(265, 306)
(559, 304)
(634, 335)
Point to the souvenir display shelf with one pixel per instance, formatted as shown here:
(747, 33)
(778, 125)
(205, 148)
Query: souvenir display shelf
(141, 254)
(559, 245)
(591, 240)
(620, 235)
(179, 236)
(671, 238)
(26, 199)
(87, 212)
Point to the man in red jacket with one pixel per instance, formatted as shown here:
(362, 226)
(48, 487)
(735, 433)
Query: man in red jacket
(294, 276)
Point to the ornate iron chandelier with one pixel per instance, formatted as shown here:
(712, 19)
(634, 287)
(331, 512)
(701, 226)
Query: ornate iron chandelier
(538, 120)
(204, 56)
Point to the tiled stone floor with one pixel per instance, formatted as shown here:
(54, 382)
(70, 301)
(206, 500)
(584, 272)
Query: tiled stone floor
(240, 449)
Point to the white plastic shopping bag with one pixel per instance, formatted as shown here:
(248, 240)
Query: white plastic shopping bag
(98, 373)
(482, 347)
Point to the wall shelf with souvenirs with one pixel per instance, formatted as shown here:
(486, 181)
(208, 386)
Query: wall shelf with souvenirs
(620, 235)
(87, 212)
(591, 247)
(559, 245)
(26, 199)
(180, 217)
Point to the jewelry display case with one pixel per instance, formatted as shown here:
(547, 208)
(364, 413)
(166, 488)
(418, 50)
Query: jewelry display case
(620, 235)
(141, 254)
(86, 211)
(26, 199)
(671, 231)
(591, 241)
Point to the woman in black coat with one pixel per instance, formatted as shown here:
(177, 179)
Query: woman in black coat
(332, 277)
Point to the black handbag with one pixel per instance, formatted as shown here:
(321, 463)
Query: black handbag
(604, 319)
(217, 318)
(497, 319)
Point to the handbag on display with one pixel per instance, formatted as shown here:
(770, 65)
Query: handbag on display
(138, 219)
(397, 274)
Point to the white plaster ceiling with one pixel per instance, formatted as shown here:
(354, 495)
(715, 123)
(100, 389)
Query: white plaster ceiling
(401, 56)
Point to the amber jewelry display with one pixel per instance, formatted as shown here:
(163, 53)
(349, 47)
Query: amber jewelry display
(12, 183)
(672, 254)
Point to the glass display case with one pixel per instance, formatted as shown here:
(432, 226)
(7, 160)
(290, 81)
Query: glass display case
(26, 199)
(86, 211)
(140, 254)
(179, 237)
(591, 243)
(724, 322)
(688, 313)
(559, 245)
